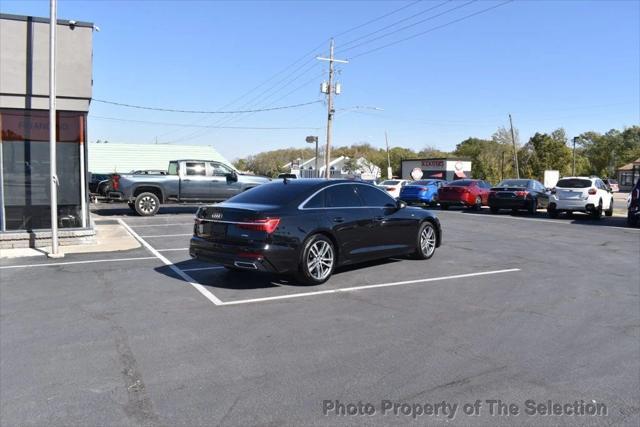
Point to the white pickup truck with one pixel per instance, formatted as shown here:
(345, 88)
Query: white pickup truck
(186, 181)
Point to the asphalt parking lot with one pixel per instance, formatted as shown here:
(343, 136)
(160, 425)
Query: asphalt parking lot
(511, 307)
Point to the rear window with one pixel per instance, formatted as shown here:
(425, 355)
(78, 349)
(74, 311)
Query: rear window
(574, 183)
(460, 183)
(427, 182)
(277, 194)
(390, 182)
(514, 183)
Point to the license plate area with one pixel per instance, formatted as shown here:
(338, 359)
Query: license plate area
(213, 230)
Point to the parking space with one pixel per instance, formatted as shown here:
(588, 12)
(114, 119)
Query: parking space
(510, 307)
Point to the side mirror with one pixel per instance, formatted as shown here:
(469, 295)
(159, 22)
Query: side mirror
(232, 177)
(401, 204)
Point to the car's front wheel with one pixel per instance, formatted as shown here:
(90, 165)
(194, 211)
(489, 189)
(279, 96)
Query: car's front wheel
(426, 241)
(147, 204)
(317, 261)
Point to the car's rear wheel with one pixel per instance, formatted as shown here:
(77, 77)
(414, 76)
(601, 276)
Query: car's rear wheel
(427, 240)
(533, 207)
(318, 260)
(444, 206)
(147, 204)
(609, 212)
(632, 220)
(552, 211)
(596, 213)
(494, 209)
(478, 204)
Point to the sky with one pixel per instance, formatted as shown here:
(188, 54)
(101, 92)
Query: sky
(572, 64)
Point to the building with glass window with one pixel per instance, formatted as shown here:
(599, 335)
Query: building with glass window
(25, 216)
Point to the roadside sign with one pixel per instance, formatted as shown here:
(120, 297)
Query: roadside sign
(416, 174)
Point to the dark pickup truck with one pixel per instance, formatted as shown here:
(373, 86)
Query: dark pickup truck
(186, 181)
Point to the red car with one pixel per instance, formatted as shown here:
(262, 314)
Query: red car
(472, 193)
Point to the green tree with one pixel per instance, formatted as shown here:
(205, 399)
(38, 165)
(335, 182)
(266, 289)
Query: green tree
(606, 152)
(546, 152)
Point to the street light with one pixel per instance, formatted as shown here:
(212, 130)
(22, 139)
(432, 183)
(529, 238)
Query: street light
(311, 140)
(575, 139)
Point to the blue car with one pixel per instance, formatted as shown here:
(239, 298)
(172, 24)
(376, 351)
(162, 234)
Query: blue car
(424, 191)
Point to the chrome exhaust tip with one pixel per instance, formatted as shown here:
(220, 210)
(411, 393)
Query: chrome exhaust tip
(248, 265)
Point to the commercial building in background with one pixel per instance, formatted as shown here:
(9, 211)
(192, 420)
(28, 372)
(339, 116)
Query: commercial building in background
(445, 168)
(105, 158)
(340, 167)
(628, 175)
(25, 217)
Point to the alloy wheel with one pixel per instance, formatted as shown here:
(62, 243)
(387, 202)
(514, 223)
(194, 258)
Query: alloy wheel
(320, 260)
(428, 240)
(147, 204)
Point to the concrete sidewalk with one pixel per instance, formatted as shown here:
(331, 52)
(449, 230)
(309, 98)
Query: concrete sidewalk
(110, 237)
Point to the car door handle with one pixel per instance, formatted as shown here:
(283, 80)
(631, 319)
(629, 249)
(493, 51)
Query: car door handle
(338, 219)
(379, 218)
(185, 180)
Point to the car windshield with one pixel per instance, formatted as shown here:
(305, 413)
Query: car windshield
(574, 183)
(276, 193)
(389, 182)
(514, 183)
(460, 183)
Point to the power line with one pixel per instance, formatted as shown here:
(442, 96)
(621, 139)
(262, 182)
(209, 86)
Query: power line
(409, 26)
(342, 45)
(376, 19)
(202, 126)
(431, 29)
(170, 110)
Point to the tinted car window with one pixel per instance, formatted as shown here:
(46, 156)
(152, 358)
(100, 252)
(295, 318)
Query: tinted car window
(342, 196)
(274, 193)
(388, 182)
(574, 183)
(373, 197)
(460, 183)
(317, 201)
(194, 168)
(425, 182)
(513, 183)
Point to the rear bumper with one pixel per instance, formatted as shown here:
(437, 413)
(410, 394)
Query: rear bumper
(509, 203)
(265, 258)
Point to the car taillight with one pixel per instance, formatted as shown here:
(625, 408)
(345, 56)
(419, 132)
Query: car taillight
(423, 188)
(391, 188)
(268, 225)
(115, 182)
(592, 191)
(553, 190)
(522, 193)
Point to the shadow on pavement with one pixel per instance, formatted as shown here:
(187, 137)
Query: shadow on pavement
(227, 279)
(573, 218)
(123, 210)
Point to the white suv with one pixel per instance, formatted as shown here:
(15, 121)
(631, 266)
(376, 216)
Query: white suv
(581, 194)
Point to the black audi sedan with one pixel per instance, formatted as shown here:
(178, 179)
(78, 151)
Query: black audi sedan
(308, 227)
(518, 194)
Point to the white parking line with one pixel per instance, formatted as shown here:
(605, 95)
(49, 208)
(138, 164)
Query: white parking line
(550, 221)
(172, 250)
(204, 291)
(168, 235)
(190, 224)
(49, 264)
(358, 288)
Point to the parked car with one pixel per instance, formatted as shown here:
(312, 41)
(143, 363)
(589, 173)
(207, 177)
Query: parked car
(95, 180)
(580, 194)
(186, 181)
(518, 194)
(633, 209)
(424, 191)
(471, 193)
(612, 184)
(308, 227)
(287, 176)
(393, 186)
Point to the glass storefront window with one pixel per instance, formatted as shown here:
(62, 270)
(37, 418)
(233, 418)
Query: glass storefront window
(25, 168)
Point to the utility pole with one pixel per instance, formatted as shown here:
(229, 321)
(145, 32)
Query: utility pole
(515, 149)
(502, 167)
(53, 178)
(575, 139)
(330, 89)
(389, 171)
